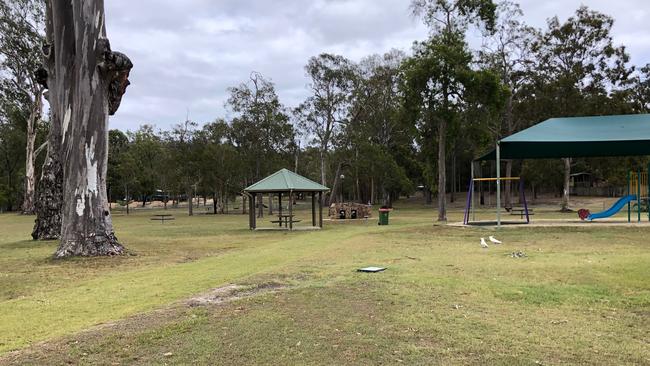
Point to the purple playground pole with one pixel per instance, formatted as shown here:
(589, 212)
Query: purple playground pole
(469, 201)
(523, 196)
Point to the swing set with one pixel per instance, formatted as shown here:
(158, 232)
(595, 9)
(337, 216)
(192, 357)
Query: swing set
(470, 211)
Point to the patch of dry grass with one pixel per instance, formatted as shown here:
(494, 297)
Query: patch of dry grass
(580, 296)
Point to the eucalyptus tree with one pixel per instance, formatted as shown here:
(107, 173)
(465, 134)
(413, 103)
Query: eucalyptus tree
(123, 171)
(118, 145)
(508, 51)
(379, 135)
(640, 90)
(146, 148)
(260, 128)
(327, 108)
(85, 81)
(577, 63)
(12, 144)
(221, 169)
(185, 158)
(438, 68)
(21, 24)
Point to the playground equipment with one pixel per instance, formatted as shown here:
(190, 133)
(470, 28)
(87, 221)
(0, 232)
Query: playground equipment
(637, 190)
(470, 213)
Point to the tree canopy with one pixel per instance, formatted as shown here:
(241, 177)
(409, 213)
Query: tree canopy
(374, 128)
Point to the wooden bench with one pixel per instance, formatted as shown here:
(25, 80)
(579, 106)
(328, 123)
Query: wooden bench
(162, 218)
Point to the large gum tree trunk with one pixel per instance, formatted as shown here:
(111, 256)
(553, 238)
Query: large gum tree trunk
(30, 172)
(86, 81)
(49, 191)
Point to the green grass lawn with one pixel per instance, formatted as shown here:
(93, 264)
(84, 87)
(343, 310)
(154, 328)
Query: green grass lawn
(581, 295)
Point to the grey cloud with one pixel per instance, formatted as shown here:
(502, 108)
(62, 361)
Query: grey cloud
(187, 53)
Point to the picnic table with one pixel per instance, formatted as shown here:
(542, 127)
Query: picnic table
(285, 218)
(521, 211)
(162, 218)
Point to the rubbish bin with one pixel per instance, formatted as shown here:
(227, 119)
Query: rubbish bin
(353, 214)
(383, 216)
(341, 214)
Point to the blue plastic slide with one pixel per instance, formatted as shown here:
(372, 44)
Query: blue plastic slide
(614, 209)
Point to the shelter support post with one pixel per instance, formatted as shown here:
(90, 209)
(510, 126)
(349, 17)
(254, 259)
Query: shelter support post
(290, 210)
(638, 195)
(252, 211)
(250, 219)
(498, 184)
(629, 207)
(320, 209)
(313, 209)
(280, 208)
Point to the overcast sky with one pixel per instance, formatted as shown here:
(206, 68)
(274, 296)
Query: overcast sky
(186, 53)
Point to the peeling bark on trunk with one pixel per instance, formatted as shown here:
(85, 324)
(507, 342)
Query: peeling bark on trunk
(86, 81)
(49, 191)
(30, 156)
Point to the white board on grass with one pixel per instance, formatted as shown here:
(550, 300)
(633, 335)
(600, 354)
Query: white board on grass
(371, 269)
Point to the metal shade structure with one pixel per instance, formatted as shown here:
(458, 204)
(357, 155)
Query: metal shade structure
(574, 137)
(287, 182)
(578, 137)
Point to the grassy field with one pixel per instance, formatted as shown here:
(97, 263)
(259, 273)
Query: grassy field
(581, 296)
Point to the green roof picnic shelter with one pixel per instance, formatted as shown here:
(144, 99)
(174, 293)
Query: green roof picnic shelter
(286, 182)
(574, 137)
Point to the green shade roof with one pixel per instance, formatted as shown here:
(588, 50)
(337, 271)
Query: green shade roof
(285, 180)
(573, 137)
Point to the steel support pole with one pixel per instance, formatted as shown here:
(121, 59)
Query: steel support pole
(629, 183)
(638, 195)
(498, 184)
